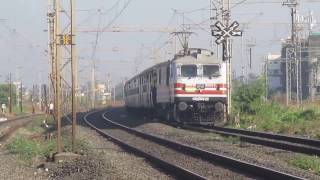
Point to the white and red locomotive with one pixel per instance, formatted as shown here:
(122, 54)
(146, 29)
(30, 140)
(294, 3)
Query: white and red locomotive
(190, 89)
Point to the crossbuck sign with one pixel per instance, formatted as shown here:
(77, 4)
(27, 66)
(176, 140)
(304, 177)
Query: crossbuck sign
(223, 33)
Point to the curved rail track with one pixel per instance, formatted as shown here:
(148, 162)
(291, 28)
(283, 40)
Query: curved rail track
(14, 124)
(284, 142)
(177, 170)
(227, 162)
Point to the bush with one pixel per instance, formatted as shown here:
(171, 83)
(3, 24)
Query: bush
(248, 100)
(310, 163)
(27, 149)
(248, 97)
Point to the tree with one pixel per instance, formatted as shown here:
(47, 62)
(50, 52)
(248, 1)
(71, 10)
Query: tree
(247, 98)
(5, 93)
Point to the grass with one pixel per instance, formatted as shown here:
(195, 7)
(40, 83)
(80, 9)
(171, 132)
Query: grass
(80, 144)
(255, 111)
(280, 119)
(37, 126)
(310, 163)
(232, 140)
(27, 149)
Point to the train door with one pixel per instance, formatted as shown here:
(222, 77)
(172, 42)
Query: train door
(140, 91)
(168, 83)
(154, 88)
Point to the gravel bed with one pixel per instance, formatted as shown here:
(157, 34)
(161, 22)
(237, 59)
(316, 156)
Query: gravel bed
(85, 168)
(199, 166)
(261, 155)
(11, 168)
(117, 163)
(101, 160)
(5, 126)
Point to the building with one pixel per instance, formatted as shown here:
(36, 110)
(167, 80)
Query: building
(309, 54)
(103, 93)
(314, 66)
(274, 73)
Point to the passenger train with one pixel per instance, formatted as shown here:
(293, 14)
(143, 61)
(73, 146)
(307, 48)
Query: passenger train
(189, 89)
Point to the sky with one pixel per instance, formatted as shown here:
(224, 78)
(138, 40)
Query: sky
(24, 40)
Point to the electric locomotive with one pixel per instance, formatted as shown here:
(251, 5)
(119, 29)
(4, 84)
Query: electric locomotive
(189, 89)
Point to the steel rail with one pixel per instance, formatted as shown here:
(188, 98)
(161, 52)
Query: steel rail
(178, 171)
(292, 139)
(241, 166)
(288, 143)
(6, 134)
(18, 118)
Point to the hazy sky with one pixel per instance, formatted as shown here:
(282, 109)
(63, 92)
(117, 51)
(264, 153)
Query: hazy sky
(23, 40)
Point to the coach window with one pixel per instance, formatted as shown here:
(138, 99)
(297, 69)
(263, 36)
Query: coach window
(168, 75)
(159, 76)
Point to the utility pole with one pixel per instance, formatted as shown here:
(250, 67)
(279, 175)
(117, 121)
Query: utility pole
(293, 62)
(21, 109)
(10, 94)
(32, 100)
(57, 73)
(66, 40)
(74, 73)
(224, 31)
(250, 45)
(40, 93)
(93, 84)
(52, 51)
(266, 67)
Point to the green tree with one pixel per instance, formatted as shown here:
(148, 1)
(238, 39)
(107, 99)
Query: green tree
(4, 93)
(247, 98)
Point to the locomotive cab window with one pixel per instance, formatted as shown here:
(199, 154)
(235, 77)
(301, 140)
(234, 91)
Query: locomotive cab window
(188, 70)
(211, 70)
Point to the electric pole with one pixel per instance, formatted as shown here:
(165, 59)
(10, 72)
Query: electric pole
(57, 74)
(60, 84)
(74, 73)
(293, 62)
(10, 94)
(21, 109)
(93, 84)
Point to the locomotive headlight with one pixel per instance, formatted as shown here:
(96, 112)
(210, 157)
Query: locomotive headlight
(182, 106)
(219, 107)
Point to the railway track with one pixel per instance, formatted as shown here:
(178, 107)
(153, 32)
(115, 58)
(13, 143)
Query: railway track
(288, 143)
(10, 126)
(17, 119)
(193, 153)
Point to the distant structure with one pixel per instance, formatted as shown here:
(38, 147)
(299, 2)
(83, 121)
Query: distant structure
(274, 73)
(103, 93)
(314, 66)
(309, 56)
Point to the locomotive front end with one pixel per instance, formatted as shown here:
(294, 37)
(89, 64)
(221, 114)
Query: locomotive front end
(200, 91)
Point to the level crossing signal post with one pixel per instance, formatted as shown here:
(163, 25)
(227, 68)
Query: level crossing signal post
(223, 31)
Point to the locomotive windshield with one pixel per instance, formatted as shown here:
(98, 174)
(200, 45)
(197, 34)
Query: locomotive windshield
(188, 70)
(211, 70)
